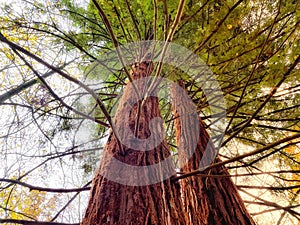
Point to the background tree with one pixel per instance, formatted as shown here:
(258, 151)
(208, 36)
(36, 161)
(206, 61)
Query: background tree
(252, 48)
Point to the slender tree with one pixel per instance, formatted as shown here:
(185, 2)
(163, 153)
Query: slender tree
(208, 199)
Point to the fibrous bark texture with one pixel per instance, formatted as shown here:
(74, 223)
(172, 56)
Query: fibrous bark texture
(207, 200)
(132, 185)
(116, 197)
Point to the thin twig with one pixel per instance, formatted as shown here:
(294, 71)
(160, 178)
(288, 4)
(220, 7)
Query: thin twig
(273, 91)
(254, 68)
(219, 164)
(133, 20)
(37, 188)
(28, 222)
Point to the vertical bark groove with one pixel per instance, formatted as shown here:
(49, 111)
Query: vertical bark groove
(207, 200)
(192, 201)
(113, 203)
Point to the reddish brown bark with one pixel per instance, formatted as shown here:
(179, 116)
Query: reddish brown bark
(117, 199)
(207, 200)
(115, 203)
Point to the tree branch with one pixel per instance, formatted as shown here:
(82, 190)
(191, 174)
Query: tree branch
(63, 74)
(265, 148)
(32, 187)
(274, 90)
(28, 84)
(28, 222)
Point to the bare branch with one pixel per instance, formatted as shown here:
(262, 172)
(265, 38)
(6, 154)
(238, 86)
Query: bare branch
(265, 148)
(63, 74)
(22, 87)
(32, 187)
(28, 222)
(274, 90)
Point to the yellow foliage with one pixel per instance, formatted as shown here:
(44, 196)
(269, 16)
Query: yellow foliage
(293, 151)
(21, 203)
(229, 26)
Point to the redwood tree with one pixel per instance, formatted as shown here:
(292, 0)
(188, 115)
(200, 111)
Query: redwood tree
(252, 50)
(112, 202)
(116, 201)
(211, 197)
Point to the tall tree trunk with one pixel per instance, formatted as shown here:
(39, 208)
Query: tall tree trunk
(207, 200)
(113, 201)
